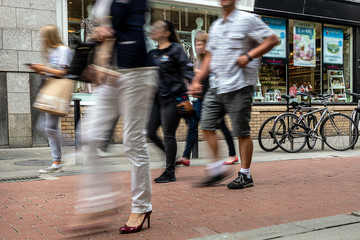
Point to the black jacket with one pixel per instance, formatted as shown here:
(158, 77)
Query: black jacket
(172, 63)
(128, 20)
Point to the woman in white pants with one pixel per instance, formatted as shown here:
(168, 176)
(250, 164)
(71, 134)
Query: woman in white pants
(130, 96)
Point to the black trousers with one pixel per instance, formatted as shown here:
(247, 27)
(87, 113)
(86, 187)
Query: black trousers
(168, 118)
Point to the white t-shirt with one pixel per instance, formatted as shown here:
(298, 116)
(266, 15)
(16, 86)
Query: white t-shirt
(60, 57)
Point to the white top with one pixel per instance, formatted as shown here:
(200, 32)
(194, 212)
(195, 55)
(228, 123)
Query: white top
(59, 58)
(227, 41)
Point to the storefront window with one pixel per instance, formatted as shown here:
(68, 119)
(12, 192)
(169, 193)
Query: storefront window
(319, 61)
(305, 57)
(272, 74)
(81, 21)
(188, 21)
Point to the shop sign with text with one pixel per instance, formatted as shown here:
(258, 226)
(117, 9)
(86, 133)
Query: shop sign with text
(304, 44)
(333, 46)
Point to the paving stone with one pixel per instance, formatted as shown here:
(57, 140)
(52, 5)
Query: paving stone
(277, 202)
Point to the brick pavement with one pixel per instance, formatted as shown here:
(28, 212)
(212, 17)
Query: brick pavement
(285, 191)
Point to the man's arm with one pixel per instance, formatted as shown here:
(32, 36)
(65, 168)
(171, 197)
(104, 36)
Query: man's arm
(195, 88)
(259, 51)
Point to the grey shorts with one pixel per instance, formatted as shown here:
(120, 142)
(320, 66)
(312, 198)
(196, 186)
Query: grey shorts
(237, 104)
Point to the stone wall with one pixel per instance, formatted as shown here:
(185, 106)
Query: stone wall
(20, 22)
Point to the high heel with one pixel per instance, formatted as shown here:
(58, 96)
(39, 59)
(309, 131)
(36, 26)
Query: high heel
(183, 161)
(126, 229)
(236, 159)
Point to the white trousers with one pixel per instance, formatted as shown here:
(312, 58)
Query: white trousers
(131, 98)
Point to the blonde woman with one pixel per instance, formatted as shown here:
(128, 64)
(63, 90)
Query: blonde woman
(58, 58)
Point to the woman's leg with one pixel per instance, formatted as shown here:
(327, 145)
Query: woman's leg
(136, 97)
(169, 122)
(96, 192)
(54, 136)
(153, 125)
(193, 131)
(228, 137)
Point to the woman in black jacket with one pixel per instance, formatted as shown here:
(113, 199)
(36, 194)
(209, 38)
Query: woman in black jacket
(171, 60)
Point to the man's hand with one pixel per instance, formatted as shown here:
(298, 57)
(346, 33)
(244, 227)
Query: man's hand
(242, 61)
(101, 33)
(195, 89)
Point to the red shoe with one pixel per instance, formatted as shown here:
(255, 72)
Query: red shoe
(181, 161)
(126, 229)
(236, 159)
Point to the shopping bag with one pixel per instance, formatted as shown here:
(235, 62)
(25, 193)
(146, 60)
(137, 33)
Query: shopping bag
(54, 96)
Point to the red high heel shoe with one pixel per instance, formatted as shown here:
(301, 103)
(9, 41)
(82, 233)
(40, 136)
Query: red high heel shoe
(182, 161)
(126, 229)
(236, 159)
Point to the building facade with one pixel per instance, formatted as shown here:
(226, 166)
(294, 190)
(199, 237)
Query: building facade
(318, 53)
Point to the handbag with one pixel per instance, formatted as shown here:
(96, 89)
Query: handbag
(54, 96)
(185, 107)
(88, 58)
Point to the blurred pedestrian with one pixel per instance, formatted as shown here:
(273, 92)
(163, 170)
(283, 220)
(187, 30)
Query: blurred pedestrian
(130, 96)
(237, 40)
(172, 61)
(193, 121)
(58, 58)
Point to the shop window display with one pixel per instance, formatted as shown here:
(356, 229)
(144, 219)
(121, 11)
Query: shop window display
(188, 21)
(305, 58)
(337, 61)
(272, 74)
(80, 22)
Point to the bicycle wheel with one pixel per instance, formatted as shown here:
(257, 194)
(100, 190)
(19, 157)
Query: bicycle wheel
(266, 136)
(339, 132)
(312, 138)
(289, 135)
(355, 116)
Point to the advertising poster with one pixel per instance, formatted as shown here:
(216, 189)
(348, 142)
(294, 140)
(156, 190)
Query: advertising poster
(304, 44)
(333, 45)
(278, 54)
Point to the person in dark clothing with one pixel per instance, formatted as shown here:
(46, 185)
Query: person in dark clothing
(128, 94)
(193, 121)
(172, 62)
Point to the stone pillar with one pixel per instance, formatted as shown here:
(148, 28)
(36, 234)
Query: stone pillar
(20, 43)
(20, 134)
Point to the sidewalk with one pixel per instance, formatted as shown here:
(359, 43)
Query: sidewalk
(285, 192)
(320, 192)
(25, 162)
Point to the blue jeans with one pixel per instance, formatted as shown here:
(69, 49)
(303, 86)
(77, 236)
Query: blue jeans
(193, 132)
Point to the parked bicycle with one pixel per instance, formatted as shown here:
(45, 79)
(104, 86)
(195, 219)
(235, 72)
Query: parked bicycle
(355, 115)
(338, 131)
(266, 137)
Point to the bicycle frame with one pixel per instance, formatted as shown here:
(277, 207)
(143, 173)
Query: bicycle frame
(323, 112)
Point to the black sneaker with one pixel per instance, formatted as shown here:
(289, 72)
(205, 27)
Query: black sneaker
(166, 178)
(242, 181)
(209, 181)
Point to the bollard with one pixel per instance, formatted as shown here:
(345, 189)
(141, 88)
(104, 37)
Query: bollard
(195, 149)
(78, 145)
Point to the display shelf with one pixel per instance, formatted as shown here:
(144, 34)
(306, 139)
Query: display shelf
(337, 84)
